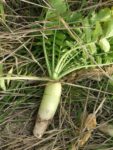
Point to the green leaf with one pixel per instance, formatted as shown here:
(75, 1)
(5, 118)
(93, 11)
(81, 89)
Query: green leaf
(108, 28)
(61, 36)
(2, 13)
(104, 44)
(69, 43)
(98, 31)
(2, 82)
(92, 48)
(9, 75)
(60, 6)
(103, 15)
(87, 30)
(75, 16)
(99, 60)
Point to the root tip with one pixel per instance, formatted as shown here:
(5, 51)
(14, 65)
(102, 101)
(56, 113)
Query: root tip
(40, 128)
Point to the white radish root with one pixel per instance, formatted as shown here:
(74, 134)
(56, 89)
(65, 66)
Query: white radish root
(48, 107)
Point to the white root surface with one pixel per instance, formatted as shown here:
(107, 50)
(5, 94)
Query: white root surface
(48, 107)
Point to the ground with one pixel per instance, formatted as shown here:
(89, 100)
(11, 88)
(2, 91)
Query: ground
(20, 99)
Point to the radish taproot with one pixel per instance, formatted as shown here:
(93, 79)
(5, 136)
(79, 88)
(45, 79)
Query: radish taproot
(48, 107)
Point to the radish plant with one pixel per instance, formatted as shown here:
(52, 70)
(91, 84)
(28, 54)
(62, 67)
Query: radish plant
(70, 42)
(65, 51)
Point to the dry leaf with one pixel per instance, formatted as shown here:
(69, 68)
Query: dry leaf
(93, 74)
(89, 126)
(85, 138)
(90, 122)
(106, 129)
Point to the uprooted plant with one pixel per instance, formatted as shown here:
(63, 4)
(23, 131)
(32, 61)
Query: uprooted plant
(71, 41)
(87, 45)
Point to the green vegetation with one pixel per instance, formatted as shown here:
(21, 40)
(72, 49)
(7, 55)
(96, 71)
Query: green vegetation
(65, 51)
